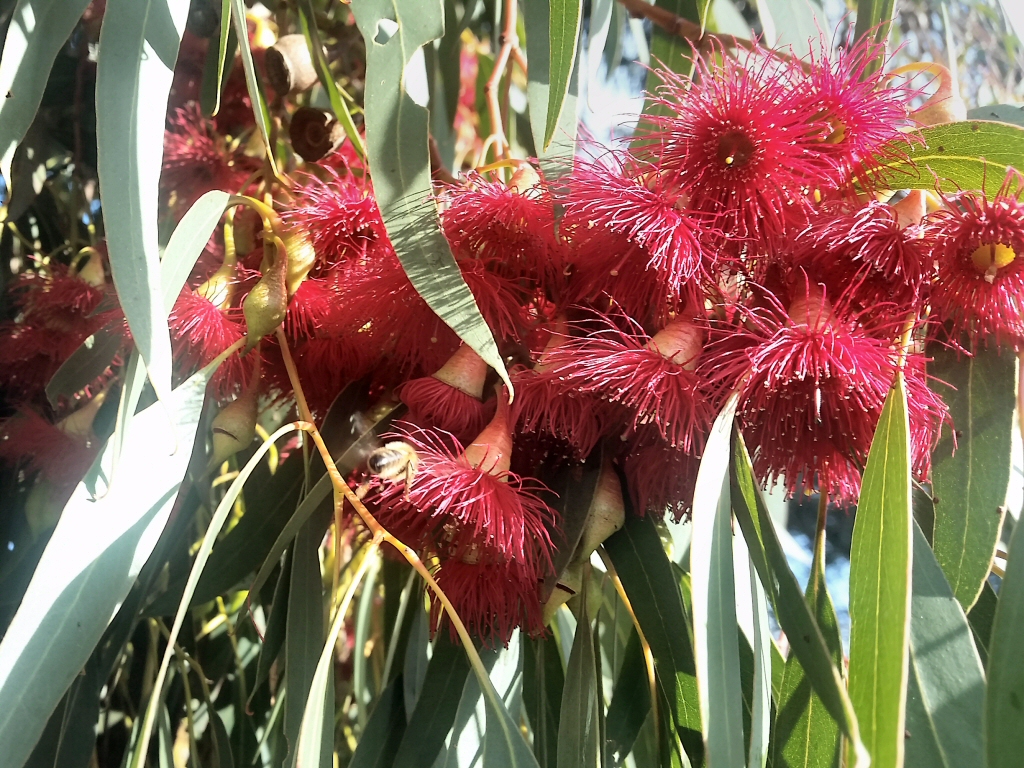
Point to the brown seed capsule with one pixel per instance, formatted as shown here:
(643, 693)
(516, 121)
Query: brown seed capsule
(314, 133)
(288, 65)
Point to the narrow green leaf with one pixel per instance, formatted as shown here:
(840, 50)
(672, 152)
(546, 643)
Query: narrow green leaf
(874, 18)
(806, 639)
(187, 242)
(564, 25)
(396, 136)
(575, 487)
(139, 41)
(86, 570)
(304, 632)
(715, 642)
(631, 702)
(946, 671)
(37, 32)
(86, 364)
(750, 596)
(212, 87)
(312, 749)
(970, 480)
(671, 51)
(880, 563)
(436, 706)
(578, 733)
(1000, 113)
(383, 733)
(277, 623)
(70, 737)
(252, 82)
(556, 159)
(600, 22)
(974, 154)
(1004, 696)
(307, 20)
(796, 23)
(806, 736)
(543, 682)
(221, 757)
(653, 591)
(981, 616)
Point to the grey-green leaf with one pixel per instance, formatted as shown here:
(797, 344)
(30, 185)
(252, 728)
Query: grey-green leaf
(139, 43)
(564, 25)
(880, 561)
(87, 569)
(1004, 696)
(969, 482)
(948, 679)
(396, 139)
(578, 734)
(38, 30)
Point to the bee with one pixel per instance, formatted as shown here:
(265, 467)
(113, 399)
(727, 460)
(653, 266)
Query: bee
(393, 461)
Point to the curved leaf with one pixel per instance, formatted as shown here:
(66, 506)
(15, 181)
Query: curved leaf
(383, 732)
(880, 561)
(1004, 696)
(543, 683)
(631, 702)
(1001, 113)
(38, 30)
(139, 43)
(87, 569)
(259, 101)
(946, 673)
(578, 732)
(86, 364)
(715, 639)
(974, 154)
(396, 139)
(970, 480)
(564, 26)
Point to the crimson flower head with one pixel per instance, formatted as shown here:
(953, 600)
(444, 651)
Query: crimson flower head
(653, 378)
(633, 238)
(341, 218)
(509, 228)
(451, 398)
(197, 160)
(739, 143)
(858, 114)
(200, 330)
(466, 506)
(660, 478)
(979, 243)
(812, 383)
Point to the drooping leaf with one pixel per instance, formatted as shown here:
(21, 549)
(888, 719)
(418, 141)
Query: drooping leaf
(277, 625)
(631, 703)
(396, 144)
(564, 31)
(304, 632)
(556, 158)
(87, 569)
(873, 20)
(543, 682)
(578, 732)
(86, 364)
(252, 82)
(37, 32)
(575, 487)
(383, 733)
(806, 639)
(970, 480)
(797, 23)
(671, 51)
(139, 40)
(1004, 695)
(880, 563)
(716, 644)
(948, 679)
(187, 242)
(973, 154)
(69, 738)
(1000, 113)
(600, 23)
(436, 706)
(653, 592)
(981, 616)
(757, 634)
(212, 87)
(806, 735)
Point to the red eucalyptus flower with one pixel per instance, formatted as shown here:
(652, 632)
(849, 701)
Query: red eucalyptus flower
(980, 284)
(654, 378)
(200, 331)
(661, 478)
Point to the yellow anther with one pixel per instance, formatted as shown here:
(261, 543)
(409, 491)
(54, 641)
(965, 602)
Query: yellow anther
(990, 257)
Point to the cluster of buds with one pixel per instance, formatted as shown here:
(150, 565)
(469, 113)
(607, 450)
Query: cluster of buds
(740, 244)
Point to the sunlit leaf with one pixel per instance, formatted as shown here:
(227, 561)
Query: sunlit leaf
(579, 733)
(971, 471)
(564, 17)
(880, 562)
(873, 20)
(259, 101)
(944, 719)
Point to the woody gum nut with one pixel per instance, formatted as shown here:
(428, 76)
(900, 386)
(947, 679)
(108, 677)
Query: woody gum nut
(289, 66)
(314, 133)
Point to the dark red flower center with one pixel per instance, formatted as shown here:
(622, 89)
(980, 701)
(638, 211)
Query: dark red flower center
(735, 149)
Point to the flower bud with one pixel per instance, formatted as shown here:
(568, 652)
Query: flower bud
(679, 342)
(267, 303)
(607, 514)
(492, 450)
(524, 179)
(79, 423)
(289, 66)
(90, 268)
(465, 371)
(300, 254)
(235, 426)
(569, 585)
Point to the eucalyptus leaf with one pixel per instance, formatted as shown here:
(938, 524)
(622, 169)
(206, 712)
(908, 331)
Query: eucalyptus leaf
(874, 18)
(981, 616)
(796, 23)
(578, 733)
(252, 82)
(880, 563)
(139, 42)
(971, 469)
(86, 364)
(396, 139)
(1000, 113)
(543, 683)
(37, 32)
(383, 733)
(631, 703)
(564, 17)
